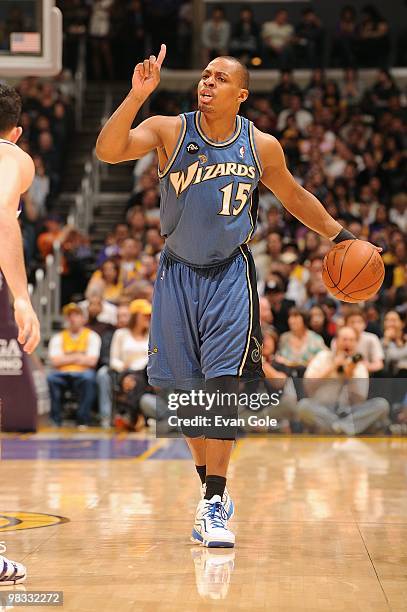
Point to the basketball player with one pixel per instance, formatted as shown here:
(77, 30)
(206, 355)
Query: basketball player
(205, 320)
(16, 175)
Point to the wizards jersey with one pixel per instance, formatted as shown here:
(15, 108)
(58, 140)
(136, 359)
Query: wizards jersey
(2, 141)
(209, 199)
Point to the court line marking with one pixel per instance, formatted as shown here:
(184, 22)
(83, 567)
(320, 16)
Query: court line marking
(237, 449)
(150, 451)
(374, 567)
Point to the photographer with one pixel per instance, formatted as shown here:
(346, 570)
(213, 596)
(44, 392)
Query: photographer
(337, 384)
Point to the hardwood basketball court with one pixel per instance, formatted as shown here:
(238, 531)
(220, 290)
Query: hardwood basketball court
(320, 523)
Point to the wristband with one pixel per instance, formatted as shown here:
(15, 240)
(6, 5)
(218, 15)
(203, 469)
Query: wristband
(344, 234)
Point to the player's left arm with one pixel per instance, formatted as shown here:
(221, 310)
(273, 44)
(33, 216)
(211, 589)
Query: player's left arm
(297, 200)
(16, 175)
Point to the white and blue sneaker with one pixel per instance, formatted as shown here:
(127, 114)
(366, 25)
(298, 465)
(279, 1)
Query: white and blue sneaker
(11, 572)
(227, 501)
(211, 525)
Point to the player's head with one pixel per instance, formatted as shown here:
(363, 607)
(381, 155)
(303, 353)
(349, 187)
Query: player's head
(10, 111)
(224, 85)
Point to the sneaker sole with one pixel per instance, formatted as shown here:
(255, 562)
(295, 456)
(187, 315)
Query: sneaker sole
(198, 539)
(12, 582)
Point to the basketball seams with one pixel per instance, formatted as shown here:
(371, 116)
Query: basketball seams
(343, 260)
(341, 293)
(361, 269)
(328, 272)
(368, 287)
(358, 290)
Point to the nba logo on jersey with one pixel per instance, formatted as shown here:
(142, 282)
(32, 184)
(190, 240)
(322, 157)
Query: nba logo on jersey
(192, 147)
(242, 152)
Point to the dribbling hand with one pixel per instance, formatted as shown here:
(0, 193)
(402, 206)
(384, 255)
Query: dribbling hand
(146, 75)
(27, 323)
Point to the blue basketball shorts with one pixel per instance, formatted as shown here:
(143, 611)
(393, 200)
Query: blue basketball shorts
(205, 322)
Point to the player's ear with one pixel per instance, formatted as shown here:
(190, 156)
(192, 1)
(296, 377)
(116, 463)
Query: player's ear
(16, 134)
(244, 94)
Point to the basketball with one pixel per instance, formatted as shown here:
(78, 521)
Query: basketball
(353, 271)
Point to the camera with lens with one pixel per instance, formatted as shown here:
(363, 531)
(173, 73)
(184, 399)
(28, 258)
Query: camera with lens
(354, 359)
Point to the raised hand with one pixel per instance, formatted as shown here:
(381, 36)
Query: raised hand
(146, 75)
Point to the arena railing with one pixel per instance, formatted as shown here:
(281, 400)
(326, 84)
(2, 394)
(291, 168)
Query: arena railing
(46, 296)
(80, 83)
(81, 214)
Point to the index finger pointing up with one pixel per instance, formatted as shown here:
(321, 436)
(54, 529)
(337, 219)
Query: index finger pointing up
(161, 55)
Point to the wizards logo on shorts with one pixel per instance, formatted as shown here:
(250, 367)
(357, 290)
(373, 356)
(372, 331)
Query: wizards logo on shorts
(192, 148)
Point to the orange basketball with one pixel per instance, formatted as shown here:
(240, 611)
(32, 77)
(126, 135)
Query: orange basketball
(353, 271)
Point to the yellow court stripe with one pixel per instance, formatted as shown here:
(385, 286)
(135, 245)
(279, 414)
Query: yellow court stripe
(237, 449)
(150, 451)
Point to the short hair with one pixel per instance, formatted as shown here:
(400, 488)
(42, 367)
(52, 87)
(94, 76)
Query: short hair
(355, 311)
(244, 73)
(298, 312)
(10, 108)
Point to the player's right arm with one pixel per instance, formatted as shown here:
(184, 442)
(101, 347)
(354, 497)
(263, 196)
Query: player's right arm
(117, 142)
(16, 175)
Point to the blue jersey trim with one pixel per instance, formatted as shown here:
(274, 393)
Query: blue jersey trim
(173, 157)
(253, 148)
(225, 143)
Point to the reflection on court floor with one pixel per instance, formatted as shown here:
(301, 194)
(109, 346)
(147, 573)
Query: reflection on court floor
(320, 523)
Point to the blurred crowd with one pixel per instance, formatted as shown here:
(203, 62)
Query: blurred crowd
(117, 32)
(344, 143)
(358, 40)
(46, 120)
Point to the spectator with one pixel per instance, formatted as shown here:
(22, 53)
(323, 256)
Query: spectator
(303, 118)
(398, 211)
(40, 187)
(105, 281)
(309, 39)
(266, 315)
(129, 356)
(367, 344)
(215, 35)
(99, 27)
(114, 242)
(344, 47)
(54, 232)
(277, 38)
(283, 91)
(373, 38)
(245, 36)
(131, 38)
(274, 291)
(185, 32)
(77, 256)
(394, 343)
(109, 310)
(130, 265)
(337, 384)
(372, 312)
(318, 323)
(104, 374)
(73, 354)
(274, 246)
(95, 309)
(299, 345)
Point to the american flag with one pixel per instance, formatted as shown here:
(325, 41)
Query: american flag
(25, 42)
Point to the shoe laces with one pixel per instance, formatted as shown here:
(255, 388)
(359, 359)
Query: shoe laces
(217, 515)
